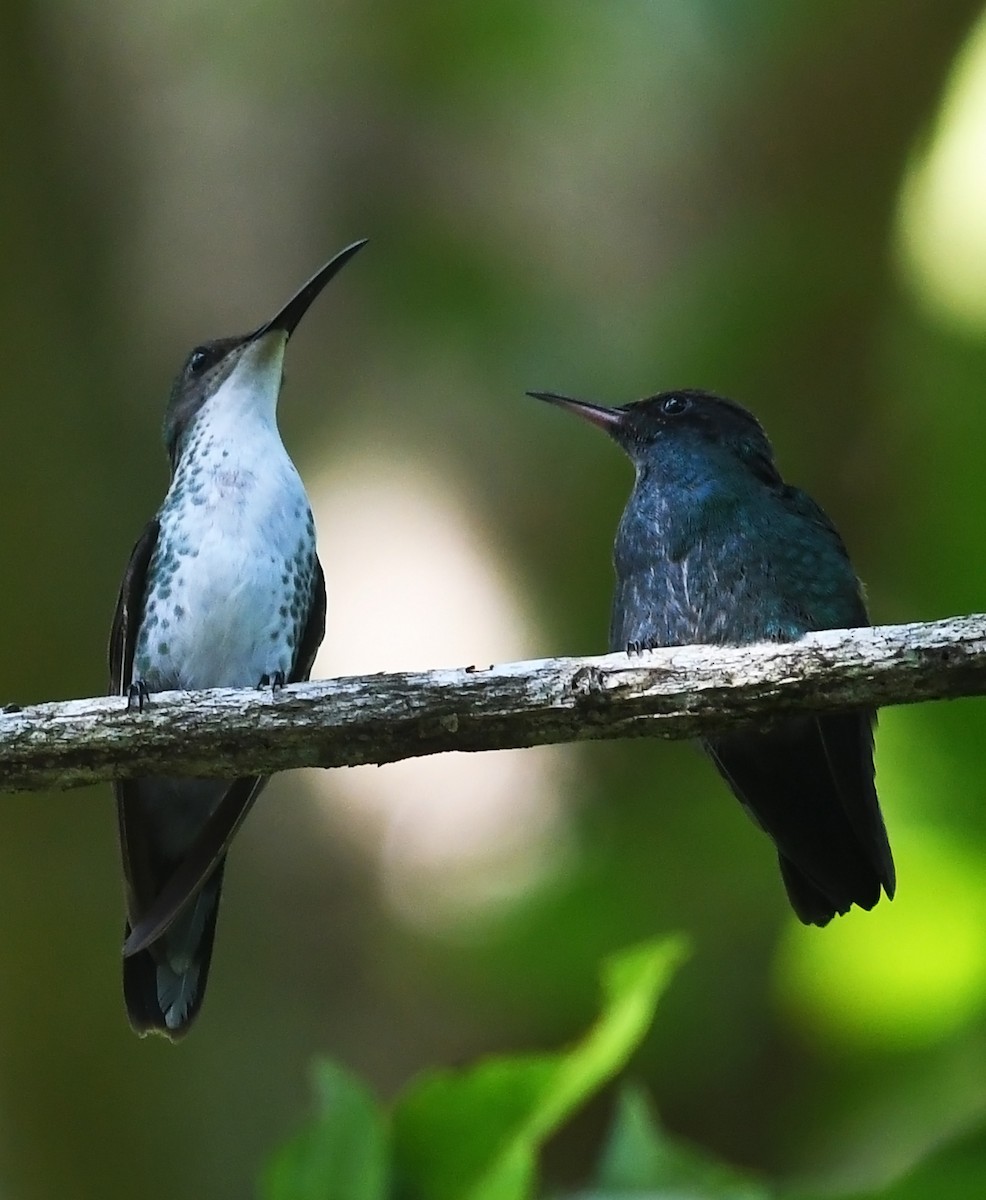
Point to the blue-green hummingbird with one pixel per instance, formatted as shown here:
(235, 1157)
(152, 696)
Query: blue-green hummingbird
(714, 547)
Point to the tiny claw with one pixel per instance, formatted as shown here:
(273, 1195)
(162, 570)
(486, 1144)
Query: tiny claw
(634, 648)
(275, 682)
(137, 694)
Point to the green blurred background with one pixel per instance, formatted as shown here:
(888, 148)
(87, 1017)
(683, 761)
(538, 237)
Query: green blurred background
(783, 202)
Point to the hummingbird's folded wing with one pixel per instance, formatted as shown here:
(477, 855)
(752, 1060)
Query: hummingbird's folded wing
(209, 848)
(808, 783)
(207, 851)
(129, 603)
(314, 631)
(197, 866)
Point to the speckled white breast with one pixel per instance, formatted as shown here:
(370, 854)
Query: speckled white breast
(230, 582)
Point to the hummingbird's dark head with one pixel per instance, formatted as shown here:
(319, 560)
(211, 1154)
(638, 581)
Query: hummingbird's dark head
(654, 428)
(206, 370)
(236, 378)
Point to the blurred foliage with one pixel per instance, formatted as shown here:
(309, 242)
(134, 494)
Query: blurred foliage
(603, 199)
(639, 1159)
(475, 1133)
(341, 1154)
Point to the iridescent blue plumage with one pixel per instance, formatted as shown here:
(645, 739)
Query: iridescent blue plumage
(714, 547)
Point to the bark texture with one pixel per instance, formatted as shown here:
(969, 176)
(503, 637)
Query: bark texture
(674, 693)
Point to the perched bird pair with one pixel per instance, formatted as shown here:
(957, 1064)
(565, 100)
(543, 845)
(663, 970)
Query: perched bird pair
(224, 589)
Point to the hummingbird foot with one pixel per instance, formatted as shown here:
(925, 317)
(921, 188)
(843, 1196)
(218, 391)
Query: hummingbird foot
(636, 648)
(275, 682)
(137, 696)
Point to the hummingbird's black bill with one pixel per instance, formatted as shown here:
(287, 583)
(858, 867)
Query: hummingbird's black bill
(606, 418)
(289, 316)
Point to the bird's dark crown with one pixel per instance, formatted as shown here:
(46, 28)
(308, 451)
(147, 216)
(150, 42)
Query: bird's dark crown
(713, 419)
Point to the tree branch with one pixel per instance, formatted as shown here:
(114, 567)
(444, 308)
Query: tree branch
(681, 692)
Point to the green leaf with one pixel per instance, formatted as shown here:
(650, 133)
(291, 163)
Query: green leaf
(640, 1160)
(341, 1154)
(475, 1134)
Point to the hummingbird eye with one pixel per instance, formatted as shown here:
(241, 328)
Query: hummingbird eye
(673, 406)
(199, 360)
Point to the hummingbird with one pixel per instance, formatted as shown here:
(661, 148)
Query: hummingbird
(714, 547)
(223, 589)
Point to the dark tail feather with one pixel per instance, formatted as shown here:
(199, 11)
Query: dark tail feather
(809, 785)
(847, 741)
(164, 985)
(811, 906)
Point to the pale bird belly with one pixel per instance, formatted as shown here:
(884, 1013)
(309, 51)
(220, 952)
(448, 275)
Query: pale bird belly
(228, 610)
(236, 626)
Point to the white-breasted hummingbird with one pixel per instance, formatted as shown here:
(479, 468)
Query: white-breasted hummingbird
(223, 589)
